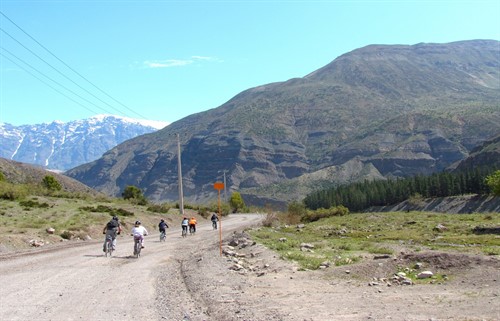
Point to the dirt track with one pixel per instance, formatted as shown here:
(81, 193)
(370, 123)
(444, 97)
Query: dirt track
(187, 279)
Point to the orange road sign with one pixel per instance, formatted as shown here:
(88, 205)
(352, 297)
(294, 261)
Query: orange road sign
(219, 185)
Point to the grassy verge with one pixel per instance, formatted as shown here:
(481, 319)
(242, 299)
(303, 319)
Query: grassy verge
(342, 240)
(71, 218)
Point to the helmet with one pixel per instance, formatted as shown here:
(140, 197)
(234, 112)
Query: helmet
(162, 220)
(137, 222)
(115, 218)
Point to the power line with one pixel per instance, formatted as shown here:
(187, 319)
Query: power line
(54, 81)
(57, 90)
(73, 70)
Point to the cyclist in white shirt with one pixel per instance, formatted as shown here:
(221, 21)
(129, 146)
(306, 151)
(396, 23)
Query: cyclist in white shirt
(139, 231)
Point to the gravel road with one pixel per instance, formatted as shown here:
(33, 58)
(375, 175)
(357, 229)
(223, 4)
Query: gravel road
(79, 283)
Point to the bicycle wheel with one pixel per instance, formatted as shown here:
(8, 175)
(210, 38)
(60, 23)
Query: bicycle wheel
(184, 232)
(137, 249)
(163, 237)
(108, 248)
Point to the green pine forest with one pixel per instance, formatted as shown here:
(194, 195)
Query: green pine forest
(362, 195)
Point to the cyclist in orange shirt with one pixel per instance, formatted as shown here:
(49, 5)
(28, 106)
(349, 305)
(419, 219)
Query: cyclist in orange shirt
(192, 225)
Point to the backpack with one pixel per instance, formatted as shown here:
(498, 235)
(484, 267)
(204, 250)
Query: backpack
(112, 224)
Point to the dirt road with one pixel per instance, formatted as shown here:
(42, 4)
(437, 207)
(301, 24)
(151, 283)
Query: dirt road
(79, 283)
(187, 280)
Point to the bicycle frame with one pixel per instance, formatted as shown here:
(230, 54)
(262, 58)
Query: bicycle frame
(137, 247)
(108, 250)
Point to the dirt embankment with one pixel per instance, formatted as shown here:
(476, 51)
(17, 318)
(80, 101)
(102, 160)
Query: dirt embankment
(457, 204)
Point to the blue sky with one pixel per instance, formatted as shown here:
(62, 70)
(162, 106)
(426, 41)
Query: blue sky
(164, 60)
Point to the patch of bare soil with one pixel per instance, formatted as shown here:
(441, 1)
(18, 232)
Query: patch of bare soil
(249, 282)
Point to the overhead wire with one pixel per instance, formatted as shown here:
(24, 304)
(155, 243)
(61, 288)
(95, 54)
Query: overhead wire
(41, 80)
(67, 77)
(49, 78)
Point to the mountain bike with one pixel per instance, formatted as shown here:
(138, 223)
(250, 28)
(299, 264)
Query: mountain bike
(192, 229)
(163, 236)
(108, 246)
(214, 225)
(184, 231)
(137, 246)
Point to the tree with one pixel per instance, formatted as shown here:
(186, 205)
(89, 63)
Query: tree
(134, 194)
(493, 181)
(51, 183)
(236, 202)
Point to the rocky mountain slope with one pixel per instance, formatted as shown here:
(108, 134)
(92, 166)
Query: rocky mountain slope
(61, 146)
(378, 111)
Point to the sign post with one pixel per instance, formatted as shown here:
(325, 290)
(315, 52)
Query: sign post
(219, 186)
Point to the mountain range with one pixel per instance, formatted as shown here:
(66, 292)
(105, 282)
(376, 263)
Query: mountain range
(376, 112)
(62, 146)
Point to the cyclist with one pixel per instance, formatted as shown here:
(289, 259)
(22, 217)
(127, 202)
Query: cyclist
(214, 220)
(112, 229)
(139, 231)
(162, 226)
(192, 225)
(184, 224)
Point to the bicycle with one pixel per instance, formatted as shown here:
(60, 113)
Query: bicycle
(184, 231)
(108, 246)
(137, 246)
(214, 225)
(192, 230)
(163, 236)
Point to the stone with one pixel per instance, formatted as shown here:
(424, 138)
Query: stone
(425, 275)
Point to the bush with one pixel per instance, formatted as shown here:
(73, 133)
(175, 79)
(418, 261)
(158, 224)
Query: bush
(312, 216)
(134, 194)
(270, 220)
(493, 181)
(159, 208)
(67, 235)
(12, 192)
(236, 202)
(51, 183)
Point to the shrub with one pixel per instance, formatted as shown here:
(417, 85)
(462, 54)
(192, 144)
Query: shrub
(51, 183)
(67, 235)
(159, 208)
(493, 181)
(271, 218)
(312, 216)
(236, 202)
(134, 194)
(30, 203)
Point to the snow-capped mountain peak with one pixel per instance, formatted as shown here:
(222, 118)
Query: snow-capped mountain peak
(61, 146)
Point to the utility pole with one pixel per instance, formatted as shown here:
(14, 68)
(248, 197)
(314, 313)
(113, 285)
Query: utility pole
(181, 195)
(225, 196)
